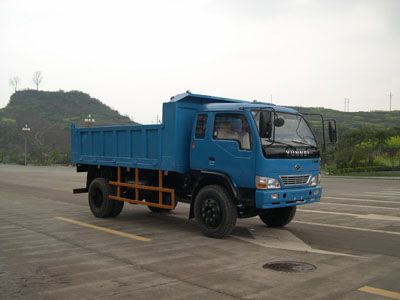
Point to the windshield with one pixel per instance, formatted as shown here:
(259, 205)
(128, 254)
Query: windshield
(283, 128)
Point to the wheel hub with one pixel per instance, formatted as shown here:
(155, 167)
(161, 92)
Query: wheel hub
(211, 213)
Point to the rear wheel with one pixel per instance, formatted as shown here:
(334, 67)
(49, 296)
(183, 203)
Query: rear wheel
(118, 206)
(277, 217)
(99, 204)
(215, 211)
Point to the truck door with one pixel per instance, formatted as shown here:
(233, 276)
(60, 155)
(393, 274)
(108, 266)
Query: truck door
(199, 142)
(227, 148)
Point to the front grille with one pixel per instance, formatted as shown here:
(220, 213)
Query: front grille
(295, 179)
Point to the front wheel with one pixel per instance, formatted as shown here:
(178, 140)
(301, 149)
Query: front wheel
(215, 211)
(277, 217)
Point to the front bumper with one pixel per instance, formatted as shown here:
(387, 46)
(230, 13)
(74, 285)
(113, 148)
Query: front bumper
(287, 197)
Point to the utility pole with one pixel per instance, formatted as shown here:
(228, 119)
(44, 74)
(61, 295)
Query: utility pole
(25, 131)
(390, 101)
(271, 98)
(346, 104)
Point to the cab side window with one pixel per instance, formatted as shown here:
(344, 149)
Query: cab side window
(233, 127)
(201, 126)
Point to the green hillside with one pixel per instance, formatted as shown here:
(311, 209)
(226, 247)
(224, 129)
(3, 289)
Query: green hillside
(348, 121)
(366, 139)
(368, 142)
(49, 115)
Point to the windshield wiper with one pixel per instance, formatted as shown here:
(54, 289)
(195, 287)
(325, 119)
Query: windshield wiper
(281, 143)
(303, 143)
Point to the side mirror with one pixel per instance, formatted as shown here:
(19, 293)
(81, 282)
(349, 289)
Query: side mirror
(265, 125)
(279, 122)
(332, 131)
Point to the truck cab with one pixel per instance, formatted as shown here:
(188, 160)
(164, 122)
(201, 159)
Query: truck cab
(268, 149)
(227, 158)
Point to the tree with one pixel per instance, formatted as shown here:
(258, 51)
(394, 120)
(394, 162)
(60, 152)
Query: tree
(14, 82)
(37, 79)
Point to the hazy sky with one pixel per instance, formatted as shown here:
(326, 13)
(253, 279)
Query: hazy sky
(134, 55)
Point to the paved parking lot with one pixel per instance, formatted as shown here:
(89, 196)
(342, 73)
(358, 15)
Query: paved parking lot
(51, 247)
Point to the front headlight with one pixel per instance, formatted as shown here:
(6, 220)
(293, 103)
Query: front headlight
(264, 183)
(315, 180)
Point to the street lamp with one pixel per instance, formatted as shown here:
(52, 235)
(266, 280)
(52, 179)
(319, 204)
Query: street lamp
(89, 121)
(25, 132)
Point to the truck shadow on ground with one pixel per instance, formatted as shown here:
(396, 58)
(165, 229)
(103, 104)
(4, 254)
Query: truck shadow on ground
(172, 222)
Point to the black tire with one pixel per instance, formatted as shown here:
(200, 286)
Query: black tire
(118, 206)
(214, 211)
(277, 217)
(99, 204)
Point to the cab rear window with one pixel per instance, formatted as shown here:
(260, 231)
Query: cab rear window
(201, 126)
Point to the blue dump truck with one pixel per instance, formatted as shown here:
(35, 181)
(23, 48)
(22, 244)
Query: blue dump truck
(227, 158)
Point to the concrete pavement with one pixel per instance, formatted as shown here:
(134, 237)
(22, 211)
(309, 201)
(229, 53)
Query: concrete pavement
(52, 247)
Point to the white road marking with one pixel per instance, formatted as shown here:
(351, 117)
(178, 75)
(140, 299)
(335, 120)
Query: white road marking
(382, 196)
(347, 227)
(105, 229)
(359, 199)
(358, 216)
(355, 205)
(392, 192)
(381, 217)
(382, 193)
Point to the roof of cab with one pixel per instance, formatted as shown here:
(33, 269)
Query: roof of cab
(213, 103)
(187, 96)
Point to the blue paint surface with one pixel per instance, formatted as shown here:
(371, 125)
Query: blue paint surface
(172, 146)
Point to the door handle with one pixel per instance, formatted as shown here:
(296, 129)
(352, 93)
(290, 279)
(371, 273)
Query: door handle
(211, 160)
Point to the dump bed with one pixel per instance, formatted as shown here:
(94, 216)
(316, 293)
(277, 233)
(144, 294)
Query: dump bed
(130, 145)
(164, 146)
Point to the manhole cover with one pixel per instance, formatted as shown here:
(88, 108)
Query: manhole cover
(290, 266)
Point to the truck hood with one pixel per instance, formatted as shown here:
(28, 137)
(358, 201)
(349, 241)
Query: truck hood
(276, 167)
